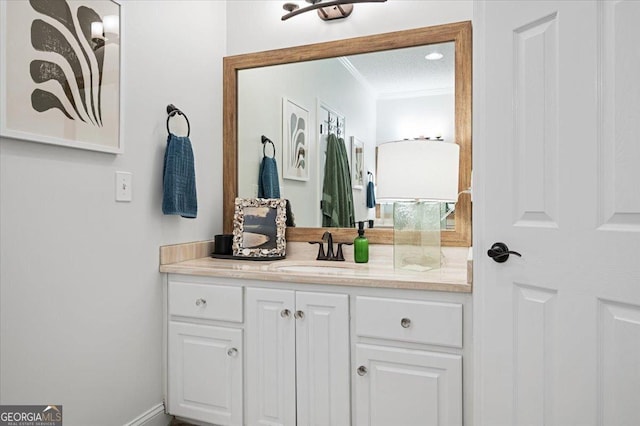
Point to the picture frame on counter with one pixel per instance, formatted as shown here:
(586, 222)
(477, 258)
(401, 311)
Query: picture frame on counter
(259, 227)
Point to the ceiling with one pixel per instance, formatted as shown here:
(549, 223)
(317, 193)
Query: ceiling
(405, 72)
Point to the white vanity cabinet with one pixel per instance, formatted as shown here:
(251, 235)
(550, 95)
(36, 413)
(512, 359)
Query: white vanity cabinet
(396, 383)
(204, 377)
(250, 352)
(297, 357)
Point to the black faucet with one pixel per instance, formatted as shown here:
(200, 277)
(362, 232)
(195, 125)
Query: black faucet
(328, 238)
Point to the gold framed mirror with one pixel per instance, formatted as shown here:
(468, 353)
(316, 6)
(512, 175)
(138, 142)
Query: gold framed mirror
(458, 33)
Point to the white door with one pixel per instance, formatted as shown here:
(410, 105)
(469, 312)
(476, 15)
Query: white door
(557, 173)
(398, 386)
(322, 359)
(271, 363)
(205, 373)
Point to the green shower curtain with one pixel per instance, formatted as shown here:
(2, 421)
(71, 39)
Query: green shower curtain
(337, 194)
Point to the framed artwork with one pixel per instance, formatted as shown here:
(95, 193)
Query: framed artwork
(357, 163)
(60, 73)
(295, 140)
(259, 226)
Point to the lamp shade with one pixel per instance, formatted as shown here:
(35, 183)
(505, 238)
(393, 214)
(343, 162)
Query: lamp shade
(418, 170)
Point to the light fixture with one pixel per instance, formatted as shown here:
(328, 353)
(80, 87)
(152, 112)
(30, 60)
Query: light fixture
(111, 26)
(428, 172)
(327, 10)
(434, 56)
(107, 30)
(97, 35)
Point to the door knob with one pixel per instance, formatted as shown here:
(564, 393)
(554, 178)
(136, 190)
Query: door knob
(362, 370)
(500, 252)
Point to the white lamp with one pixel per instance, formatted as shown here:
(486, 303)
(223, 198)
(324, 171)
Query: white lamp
(417, 175)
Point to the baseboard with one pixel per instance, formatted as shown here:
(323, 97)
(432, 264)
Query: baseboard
(155, 416)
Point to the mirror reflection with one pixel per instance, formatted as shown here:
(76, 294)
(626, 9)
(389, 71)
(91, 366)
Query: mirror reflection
(459, 33)
(326, 117)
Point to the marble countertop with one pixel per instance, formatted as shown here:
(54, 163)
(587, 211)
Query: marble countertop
(300, 266)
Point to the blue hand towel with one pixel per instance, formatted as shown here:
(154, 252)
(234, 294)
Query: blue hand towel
(268, 184)
(371, 196)
(179, 178)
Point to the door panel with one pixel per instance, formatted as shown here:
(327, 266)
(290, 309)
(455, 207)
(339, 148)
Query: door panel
(535, 190)
(619, 346)
(323, 363)
(619, 63)
(408, 387)
(534, 319)
(271, 381)
(205, 379)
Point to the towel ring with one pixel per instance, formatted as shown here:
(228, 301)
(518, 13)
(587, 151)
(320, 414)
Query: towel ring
(172, 110)
(264, 146)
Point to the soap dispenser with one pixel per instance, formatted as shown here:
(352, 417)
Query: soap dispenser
(361, 245)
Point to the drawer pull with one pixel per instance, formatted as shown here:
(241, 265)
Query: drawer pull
(299, 315)
(362, 370)
(232, 352)
(285, 313)
(405, 322)
(201, 302)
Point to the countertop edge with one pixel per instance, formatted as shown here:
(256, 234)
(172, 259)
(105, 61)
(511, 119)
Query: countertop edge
(193, 258)
(397, 282)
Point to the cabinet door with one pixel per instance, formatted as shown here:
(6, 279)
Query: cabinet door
(322, 358)
(205, 373)
(271, 375)
(407, 387)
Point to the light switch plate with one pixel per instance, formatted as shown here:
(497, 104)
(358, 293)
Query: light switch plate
(123, 186)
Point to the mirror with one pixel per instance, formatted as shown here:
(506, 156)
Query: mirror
(365, 99)
(245, 121)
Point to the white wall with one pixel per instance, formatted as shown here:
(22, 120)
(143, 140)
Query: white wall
(427, 116)
(255, 25)
(80, 292)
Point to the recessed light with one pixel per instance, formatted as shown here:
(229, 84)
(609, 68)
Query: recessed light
(434, 56)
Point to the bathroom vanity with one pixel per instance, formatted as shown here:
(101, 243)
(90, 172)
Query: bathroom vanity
(300, 341)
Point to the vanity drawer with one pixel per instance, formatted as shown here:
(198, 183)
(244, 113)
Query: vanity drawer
(205, 301)
(416, 321)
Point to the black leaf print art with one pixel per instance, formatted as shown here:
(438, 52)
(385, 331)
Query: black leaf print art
(298, 153)
(83, 88)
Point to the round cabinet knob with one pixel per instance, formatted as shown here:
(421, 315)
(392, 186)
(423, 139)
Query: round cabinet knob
(362, 370)
(232, 352)
(285, 313)
(201, 302)
(405, 322)
(299, 315)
